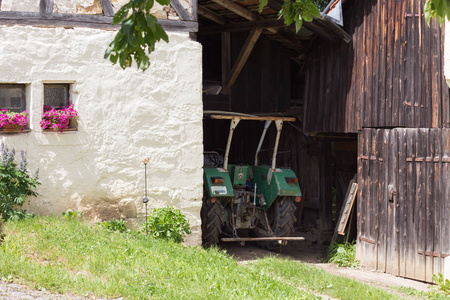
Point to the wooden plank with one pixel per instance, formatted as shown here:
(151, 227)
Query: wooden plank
(382, 205)
(46, 6)
(389, 62)
(241, 11)
(382, 63)
(226, 58)
(417, 67)
(402, 200)
(411, 192)
(252, 118)
(243, 26)
(393, 180)
(321, 99)
(181, 11)
(437, 200)
(366, 47)
(360, 206)
(375, 62)
(429, 205)
(426, 30)
(445, 213)
(243, 56)
(436, 77)
(368, 95)
(347, 207)
(371, 249)
(395, 99)
(359, 90)
(90, 21)
(402, 65)
(419, 208)
(107, 8)
(209, 14)
(392, 249)
(409, 68)
(328, 78)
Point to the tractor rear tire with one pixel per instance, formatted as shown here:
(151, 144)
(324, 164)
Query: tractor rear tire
(212, 219)
(281, 216)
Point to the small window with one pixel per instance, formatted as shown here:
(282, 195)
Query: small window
(58, 114)
(12, 97)
(56, 95)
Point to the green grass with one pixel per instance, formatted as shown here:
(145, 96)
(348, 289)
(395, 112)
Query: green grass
(318, 280)
(72, 256)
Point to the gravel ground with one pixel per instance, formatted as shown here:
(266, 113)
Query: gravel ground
(17, 291)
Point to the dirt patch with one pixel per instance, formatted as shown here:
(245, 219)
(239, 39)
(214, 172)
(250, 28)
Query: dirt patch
(17, 291)
(315, 254)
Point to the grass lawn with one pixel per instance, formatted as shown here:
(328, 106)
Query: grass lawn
(71, 256)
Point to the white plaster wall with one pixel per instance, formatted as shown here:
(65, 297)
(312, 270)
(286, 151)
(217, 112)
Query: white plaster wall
(124, 115)
(77, 6)
(20, 5)
(447, 53)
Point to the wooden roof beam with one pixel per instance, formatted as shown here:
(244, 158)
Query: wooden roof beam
(243, 26)
(242, 58)
(241, 11)
(181, 11)
(209, 14)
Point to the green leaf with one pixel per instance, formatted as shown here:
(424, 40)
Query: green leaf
(121, 13)
(149, 5)
(163, 2)
(298, 24)
(262, 4)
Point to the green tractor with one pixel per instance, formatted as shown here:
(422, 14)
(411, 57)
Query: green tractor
(256, 200)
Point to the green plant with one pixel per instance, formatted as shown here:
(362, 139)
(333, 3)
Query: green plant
(167, 223)
(442, 284)
(80, 258)
(15, 184)
(115, 225)
(70, 214)
(343, 255)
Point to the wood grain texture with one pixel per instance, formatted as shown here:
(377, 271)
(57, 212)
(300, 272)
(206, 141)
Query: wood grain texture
(107, 8)
(91, 21)
(181, 11)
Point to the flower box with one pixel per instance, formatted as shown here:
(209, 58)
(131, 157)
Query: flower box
(13, 121)
(58, 119)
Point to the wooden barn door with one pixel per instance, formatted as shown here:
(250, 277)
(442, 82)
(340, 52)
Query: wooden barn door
(404, 201)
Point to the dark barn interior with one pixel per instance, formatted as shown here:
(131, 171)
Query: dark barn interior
(272, 80)
(370, 98)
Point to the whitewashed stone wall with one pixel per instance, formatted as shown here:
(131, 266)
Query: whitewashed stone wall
(90, 7)
(124, 115)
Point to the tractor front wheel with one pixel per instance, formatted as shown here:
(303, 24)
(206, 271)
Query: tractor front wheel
(212, 219)
(281, 217)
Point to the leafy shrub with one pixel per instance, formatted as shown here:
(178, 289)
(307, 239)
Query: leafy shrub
(115, 225)
(167, 223)
(343, 255)
(443, 285)
(15, 184)
(70, 214)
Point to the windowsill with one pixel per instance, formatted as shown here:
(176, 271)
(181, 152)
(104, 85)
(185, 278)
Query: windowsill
(69, 130)
(14, 132)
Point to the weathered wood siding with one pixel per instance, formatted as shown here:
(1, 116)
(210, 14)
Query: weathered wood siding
(403, 207)
(390, 75)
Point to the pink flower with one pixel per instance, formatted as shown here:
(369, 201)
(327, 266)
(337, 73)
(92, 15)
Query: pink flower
(58, 119)
(145, 160)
